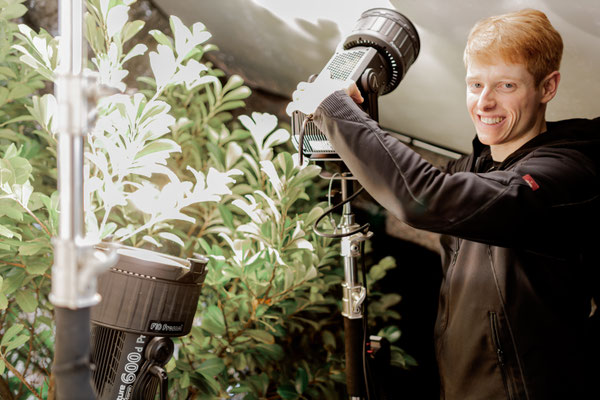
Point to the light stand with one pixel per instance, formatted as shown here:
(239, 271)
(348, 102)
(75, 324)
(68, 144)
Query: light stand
(375, 55)
(76, 264)
(353, 297)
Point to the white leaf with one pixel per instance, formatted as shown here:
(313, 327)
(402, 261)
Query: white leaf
(183, 37)
(138, 50)
(172, 237)
(152, 240)
(26, 30)
(121, 232)
(145, 198)
(23, 192)
(199, 33)
(250, 209)
(271, 204)
(277, 137)
(303, 244)
(116, 19)
(233, 154)
(104, 8)
(163, 65)
(296, 161)
(269, 170)
(29, 60)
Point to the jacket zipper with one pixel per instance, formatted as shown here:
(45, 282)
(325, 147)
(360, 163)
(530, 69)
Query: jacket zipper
(448, 285)
(446, 293)
(499, 352)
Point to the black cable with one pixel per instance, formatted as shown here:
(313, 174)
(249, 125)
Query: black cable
(366, 371)
(362, 228)
(307, 119)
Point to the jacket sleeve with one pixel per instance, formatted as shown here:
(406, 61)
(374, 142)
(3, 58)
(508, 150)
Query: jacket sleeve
(526, 206)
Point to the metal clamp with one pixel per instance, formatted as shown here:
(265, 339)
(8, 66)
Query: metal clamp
(353, 298)
(77, 264)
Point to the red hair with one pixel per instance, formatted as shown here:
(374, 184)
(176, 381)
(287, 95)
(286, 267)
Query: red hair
(523, 37)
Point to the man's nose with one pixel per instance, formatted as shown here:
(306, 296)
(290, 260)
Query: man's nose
(487, 99)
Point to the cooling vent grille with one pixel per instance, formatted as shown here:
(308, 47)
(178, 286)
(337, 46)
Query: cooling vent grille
(342, 65)
(107, 345)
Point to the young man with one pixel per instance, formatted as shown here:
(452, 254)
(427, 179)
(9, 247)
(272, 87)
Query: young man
(515, 215)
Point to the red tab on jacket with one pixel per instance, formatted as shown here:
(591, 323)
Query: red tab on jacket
(532, 183)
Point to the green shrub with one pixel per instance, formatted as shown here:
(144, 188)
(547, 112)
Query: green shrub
(168, 168)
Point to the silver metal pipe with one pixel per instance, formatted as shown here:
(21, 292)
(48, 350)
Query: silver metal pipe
(72, 297)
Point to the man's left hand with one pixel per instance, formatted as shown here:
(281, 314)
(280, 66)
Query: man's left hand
(308, 96)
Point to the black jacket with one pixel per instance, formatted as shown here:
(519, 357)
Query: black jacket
(518, 261)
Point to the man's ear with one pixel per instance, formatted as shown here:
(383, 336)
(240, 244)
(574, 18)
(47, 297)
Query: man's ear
(549, 86)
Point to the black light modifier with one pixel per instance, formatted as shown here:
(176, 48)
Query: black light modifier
(147, 297)
(376, 55)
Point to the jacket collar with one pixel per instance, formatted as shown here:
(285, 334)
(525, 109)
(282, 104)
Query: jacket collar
(566, 133)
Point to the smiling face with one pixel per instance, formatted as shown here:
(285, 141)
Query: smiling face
(506, 105)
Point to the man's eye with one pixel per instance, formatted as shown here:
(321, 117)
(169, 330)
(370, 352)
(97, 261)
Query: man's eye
(476, 85)
(508, 86)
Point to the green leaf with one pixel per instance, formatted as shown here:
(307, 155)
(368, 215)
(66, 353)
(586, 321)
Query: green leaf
(213, 320)
(37, 266)
(301, 380)
(391, 333)
(212, 383)
(10, 333)
(261, 336)
(161, 38)
(22, 169)
(287, 392)
(376, 273)
(31, 248)
(234, 82)
(211, 367)
(272, 351)
(230, 105)
(45, 320)
(3, 95)
(156, 146)
(26, 300)
(227, 216)
(13, 11)
(10, 135)
(7, 72)
(20, 91)
(4, 231)
(184, 381)
(238, 94)
(13, 281)
(328, 340)
(131, 28)
(2, 367)
(170, 365)
(18, 342)
(20, 118)
(217, 153)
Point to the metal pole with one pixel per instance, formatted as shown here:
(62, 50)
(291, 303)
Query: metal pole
(353, 297)
(76, 264)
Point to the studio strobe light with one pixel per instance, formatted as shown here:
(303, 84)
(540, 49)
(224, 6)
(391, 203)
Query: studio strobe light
(146, 299)
(376, 55)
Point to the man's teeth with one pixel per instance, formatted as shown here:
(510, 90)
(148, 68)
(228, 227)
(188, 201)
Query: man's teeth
(491, 121)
